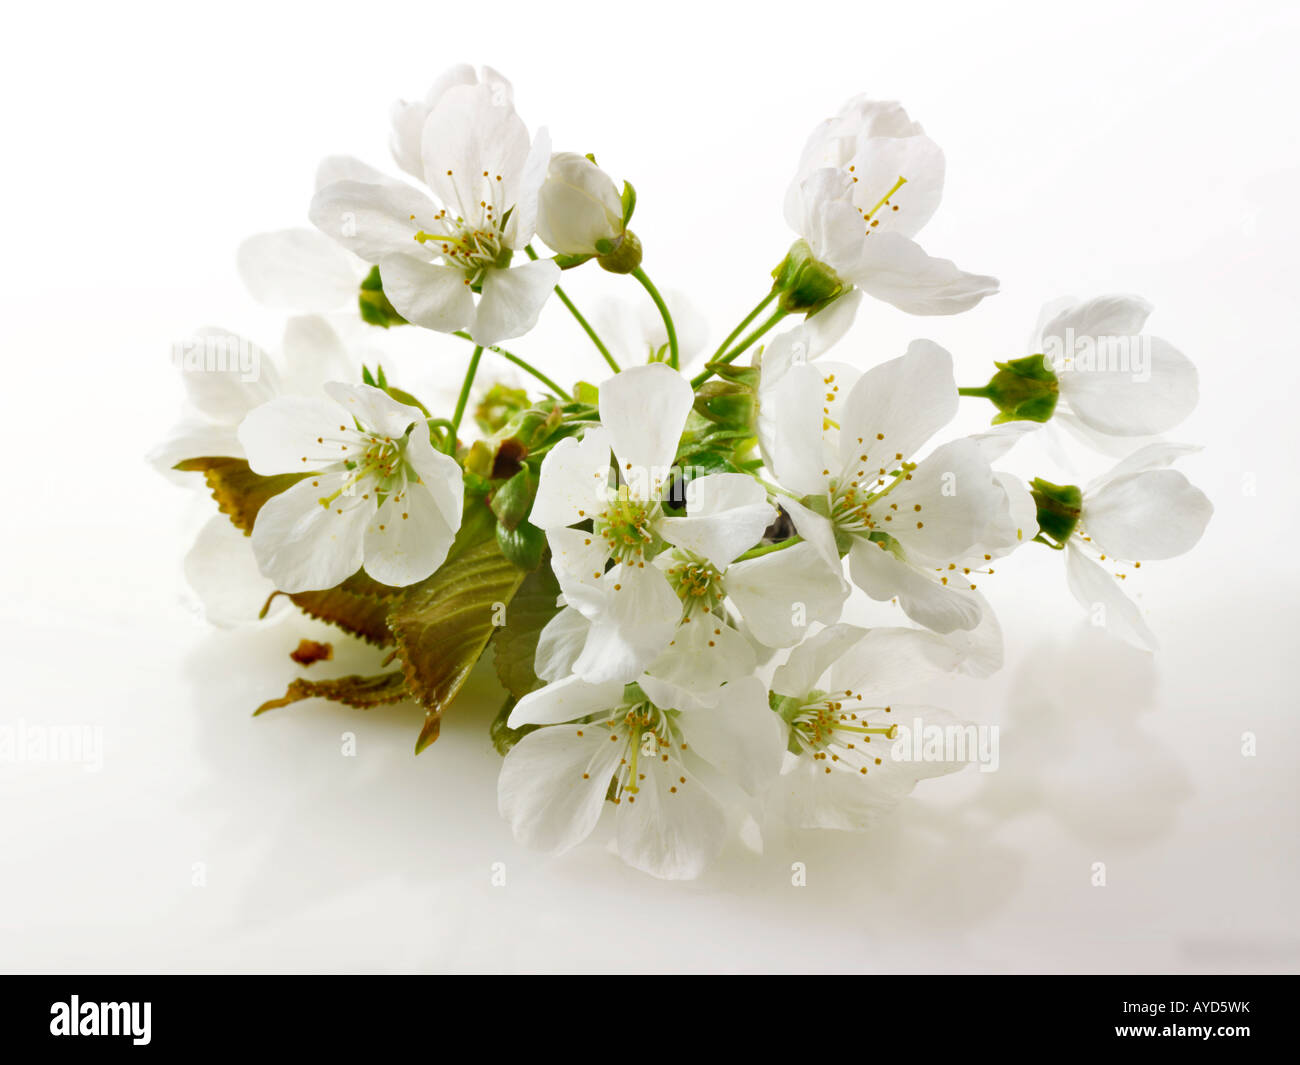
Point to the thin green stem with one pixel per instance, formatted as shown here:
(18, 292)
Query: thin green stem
(767, 549)
(523, 364)
(740, 348)
(464, 390)
(744, 324)
(979, 393)
(586, 326)
(648, 285)
(447, 445)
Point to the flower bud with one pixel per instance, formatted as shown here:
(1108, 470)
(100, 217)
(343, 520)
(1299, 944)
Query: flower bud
(805, 284)
(579, 210)
(1023, 390)
(1059, 508)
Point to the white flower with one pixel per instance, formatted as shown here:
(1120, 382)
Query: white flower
(300, 270)
(579, 209)
(868, 181)
(447, 265)
(1115, 381)
(632, 606)
(911, 527)
(659, 759)
(837, 691)
(376, 492)
(226, 376)
(1138, 511)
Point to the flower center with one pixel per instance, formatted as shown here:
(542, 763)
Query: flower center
(820, 726)
(378, 468)
(698, 585)
(649, 736)
(626, 526)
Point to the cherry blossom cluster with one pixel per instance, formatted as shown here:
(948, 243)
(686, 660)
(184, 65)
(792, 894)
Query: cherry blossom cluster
(694, 539)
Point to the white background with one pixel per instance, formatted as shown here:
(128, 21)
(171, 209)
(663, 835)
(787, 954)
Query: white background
(1091, 148)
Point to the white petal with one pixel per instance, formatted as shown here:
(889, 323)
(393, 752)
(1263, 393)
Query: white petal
(1104, 316)
(577, 557)
(705, 654)
(574, 481)
(897, 406)
(512, 301)
(221, 569)
(790, 427)
(559, 644)
(303, 546)
(802, 672)
(727, 514)
(783, 592)
(565, 700)
(879, 163)
(896, 270)
(670, 834)
(312, 354)
(1151, 399)
(645, 409)
(299, 270)
(474, 128)
(373, 221)
(295, 434)
(634, 613)
(740, 736)
(407, 539)
(957, 497)
(427, 294)
(225, 376)
(817, 530)
(1154, 514)
(374, 408)
(1154, 456)
(1099, 593)
(940, 607)
(553, 783)
(439, 474)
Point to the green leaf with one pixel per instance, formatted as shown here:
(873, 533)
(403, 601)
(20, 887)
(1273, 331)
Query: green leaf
(502, 735)
(515, 646)
(443, 624)
(359, 605)
(239, 491)
(364, 693)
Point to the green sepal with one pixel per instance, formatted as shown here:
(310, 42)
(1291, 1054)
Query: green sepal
(586, 393)
(726, 403)
(1059, 508)
(629, 202)
(805, 284)
(374, 306)
(498, 406)
(1023, 390)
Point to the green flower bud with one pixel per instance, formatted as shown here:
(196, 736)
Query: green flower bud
(1022, 390)
(498, 406)
(1059, 507)
(726, 403)
(805, 284)
(622, 257)
(514, 499)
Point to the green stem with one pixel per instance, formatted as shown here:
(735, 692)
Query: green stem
(767, 549)
(586, 326)
(979, 393)
(744, 324)
(740, 348)
(646, 283)
(464, 391)
(443, 423)
(523, 364)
